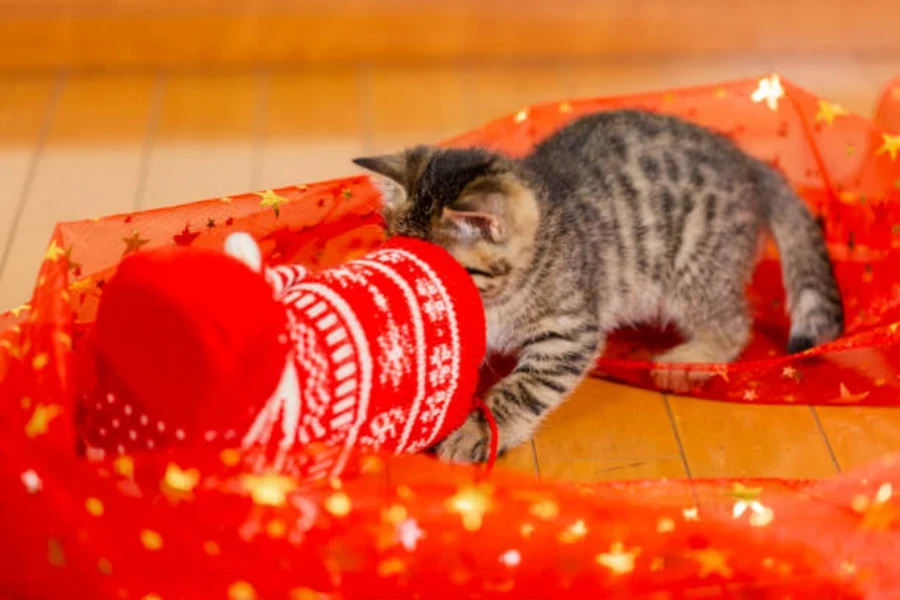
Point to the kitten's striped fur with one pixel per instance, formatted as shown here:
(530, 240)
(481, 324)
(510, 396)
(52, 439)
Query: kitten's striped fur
(619, 218)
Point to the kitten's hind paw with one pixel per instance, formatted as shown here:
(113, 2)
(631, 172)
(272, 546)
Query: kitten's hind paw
(674, 372)
(678, 380)
(470, 443)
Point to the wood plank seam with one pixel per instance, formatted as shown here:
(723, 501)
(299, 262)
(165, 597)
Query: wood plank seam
(263, 85)
(159, 88)
(41, 141)
(831, 453)
(364, 89)
(677, 434)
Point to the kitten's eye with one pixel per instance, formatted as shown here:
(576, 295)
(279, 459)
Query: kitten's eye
(473, 271)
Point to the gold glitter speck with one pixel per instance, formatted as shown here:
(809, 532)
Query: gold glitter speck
(151, 540)
(211, 548)
(471, 504)
(104, 566)
(94, 506)
(574, 532)
(55, 555)
(391, 566)
(338, 504)
(545, 509)
(124, 466)
(396, 514)
(665, 525)
(178, 480)
(241, 590)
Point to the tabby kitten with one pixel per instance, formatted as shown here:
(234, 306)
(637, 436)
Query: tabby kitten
(620, 218)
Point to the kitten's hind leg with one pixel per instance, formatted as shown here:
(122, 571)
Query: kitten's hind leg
(716, 341)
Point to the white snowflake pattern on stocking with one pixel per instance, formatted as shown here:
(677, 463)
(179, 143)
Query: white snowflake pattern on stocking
(441, 362)
(384, 426)
(345, 277)
(433, 304)
(434, 406)
(395, 351)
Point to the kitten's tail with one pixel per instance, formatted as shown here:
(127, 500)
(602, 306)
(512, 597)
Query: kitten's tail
(813, 297)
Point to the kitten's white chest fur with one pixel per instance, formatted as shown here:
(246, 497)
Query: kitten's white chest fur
(499, 332)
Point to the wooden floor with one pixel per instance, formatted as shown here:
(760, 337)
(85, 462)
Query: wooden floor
(74, 145)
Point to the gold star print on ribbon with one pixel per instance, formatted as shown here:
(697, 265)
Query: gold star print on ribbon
(273, 200)
(848, 397)
(747, 500)
(269, 489)
(618, 560)
(711, 562)
(829, 111)
(743, 493)
(790, 373)
(573, 533)
(470, 503)
(71, 265)
(134, 242)
(40, 419)
(721, 371)
(890, 145)
(769, 91)
(81, 285)
(54, 252)
(177, 484)
(19, 310)
(14, 350)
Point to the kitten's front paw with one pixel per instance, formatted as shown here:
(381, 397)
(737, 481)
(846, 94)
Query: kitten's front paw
(470, 443)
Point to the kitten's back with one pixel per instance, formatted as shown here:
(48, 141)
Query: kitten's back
(685, 206)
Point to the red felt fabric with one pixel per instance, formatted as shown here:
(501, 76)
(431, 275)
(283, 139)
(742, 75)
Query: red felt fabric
(193, 327)
(380, 354)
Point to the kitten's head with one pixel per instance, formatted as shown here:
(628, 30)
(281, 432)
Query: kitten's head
(469, 201)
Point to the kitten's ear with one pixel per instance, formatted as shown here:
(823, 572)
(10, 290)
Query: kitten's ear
(482, 217)
(393, 170)
(393, 166)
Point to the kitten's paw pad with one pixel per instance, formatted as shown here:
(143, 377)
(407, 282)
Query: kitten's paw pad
(679, 381)
(470, 443)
